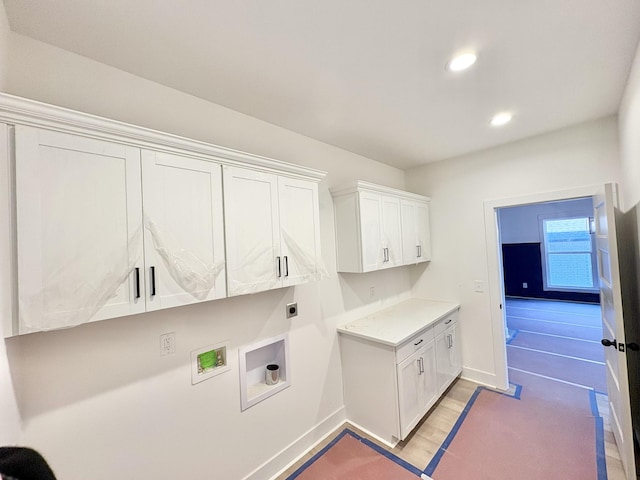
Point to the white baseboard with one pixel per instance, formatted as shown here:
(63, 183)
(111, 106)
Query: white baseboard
(372, 435)
(479, 376)
(282, 460)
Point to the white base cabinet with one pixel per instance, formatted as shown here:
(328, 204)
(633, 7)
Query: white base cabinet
(389, 385)
(447, 353)
(417, 387)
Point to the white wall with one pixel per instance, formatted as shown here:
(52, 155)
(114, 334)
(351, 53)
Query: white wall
(9, 418)
(579, 156)
(630, 136)
(99, 401)
(520, 224)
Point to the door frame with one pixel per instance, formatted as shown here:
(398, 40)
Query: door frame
(494, 265)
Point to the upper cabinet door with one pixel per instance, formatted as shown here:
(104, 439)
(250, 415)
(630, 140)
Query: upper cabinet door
(252, 231)
(184, 230)
(79, 229)
(416, 237)
(373, 251)
(299, 230)
(391, 231)
(423, 232)
(410, 249)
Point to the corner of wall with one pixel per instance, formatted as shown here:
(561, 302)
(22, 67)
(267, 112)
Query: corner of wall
(628, 126)
(5, 33)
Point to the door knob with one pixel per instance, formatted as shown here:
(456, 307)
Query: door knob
(608, 343)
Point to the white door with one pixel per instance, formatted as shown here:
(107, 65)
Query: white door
(79, 229)
(429, 391)
(410, 248)
(455, 353)
(391, 231)
(184, 231)
(605, 205)
(443, 361)
(299, 230)
(423, 231)
(373, 253)
(409, 401)
(252, 231)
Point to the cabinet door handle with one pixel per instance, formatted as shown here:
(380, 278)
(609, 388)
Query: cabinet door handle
(279, 268)
(448, 321)
(137, 277)
(419, 342)
(419, 248)
(450, 340)
(153, 281)
(386, 254)
(286, 266)
(421, 364)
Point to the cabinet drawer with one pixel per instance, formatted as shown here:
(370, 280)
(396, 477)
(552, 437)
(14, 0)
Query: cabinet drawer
(445, 323)
(414, 343)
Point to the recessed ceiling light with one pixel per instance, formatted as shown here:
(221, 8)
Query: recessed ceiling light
(501, 118)
(462, 62)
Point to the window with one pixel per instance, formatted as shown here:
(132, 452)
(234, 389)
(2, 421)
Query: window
(568, 255)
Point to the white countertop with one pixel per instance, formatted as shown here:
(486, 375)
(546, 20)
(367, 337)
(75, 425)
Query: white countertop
(394, 325)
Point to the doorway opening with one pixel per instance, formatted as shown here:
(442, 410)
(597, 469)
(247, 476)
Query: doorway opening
(604, 200)
(552, 299)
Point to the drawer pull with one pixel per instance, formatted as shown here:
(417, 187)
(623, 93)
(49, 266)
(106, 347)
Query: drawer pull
(448, 321)
(419, 342)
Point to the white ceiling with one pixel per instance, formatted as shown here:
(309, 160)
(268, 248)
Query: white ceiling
(366, 75)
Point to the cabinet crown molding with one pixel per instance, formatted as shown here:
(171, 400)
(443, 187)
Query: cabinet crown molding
(17, 110)
(359, 185)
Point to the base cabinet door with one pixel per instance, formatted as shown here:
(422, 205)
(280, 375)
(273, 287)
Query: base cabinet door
(79, 229)
(448, 357)
(417, 387)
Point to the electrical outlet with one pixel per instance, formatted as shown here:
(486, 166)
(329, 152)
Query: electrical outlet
(167, 343)
(478, 286)
(292, 310)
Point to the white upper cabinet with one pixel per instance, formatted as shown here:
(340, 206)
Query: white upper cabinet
(184, 234)
(379, 227)
(110, 219)
(272, 230)
(299, 230)
(79, 229)
(416, 236)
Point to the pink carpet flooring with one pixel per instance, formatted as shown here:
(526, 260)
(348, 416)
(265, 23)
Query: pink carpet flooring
(549, 433)
(352, 458)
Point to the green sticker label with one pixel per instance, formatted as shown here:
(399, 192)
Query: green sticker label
(207, 359)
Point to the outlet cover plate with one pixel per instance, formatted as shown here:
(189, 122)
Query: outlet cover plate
(292, 310)
(168, 343)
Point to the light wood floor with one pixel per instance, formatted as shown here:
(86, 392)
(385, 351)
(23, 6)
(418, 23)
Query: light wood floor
(420, 447)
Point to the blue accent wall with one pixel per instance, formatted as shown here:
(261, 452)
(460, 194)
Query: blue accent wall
(522, 263)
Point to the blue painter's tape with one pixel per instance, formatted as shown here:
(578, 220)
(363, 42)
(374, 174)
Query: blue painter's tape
(416, 471)
(309, 462)
(600, 454)
(594, 403)
(443, 448)
(513, 337)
